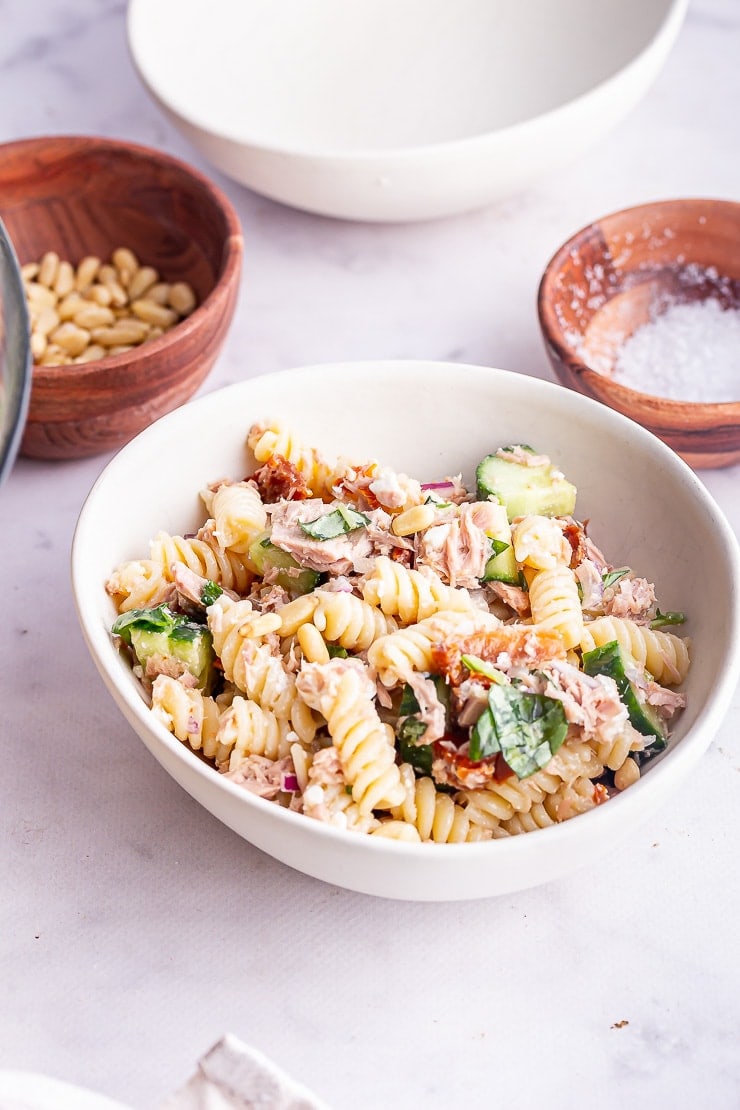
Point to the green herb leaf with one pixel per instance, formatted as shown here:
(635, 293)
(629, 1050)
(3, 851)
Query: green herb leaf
(420, 756)
(671, 616)
(518, 446)
(610, 577)
(409, 704)
(336, 523)
(497, 546)
(336, 651)
(159, 619)
(480, 666)
(438, 503)
(526, 728)
(210, 592)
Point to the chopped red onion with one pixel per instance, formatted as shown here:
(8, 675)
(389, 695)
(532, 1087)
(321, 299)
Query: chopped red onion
(289, 782)
(437, 485)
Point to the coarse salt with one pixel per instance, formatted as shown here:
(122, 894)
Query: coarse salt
(691, 352)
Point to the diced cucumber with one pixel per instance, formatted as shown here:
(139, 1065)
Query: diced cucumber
(159, 631)
(608, 660)
(502, 566)
(291, 576)
(194, 652)
(523, 489)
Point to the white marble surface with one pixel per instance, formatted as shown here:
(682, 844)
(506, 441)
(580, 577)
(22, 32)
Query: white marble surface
(136, 929)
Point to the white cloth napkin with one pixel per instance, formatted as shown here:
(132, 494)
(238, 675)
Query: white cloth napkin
(234, 1076)
(231, 1076)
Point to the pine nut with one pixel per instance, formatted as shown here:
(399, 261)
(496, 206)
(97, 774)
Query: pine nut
(107, 273)
(71, 304)
(415, 519)
(92, 353)
(65, 279)
(120, 348)
(70, 338)
(55, 356)
(126, 262)
(93, 315)
(87, 271)
(100, 294)
(122, 332)
(160, 293)
(40, 296)
(48, 269)
(142, 281)
(29, 271)
(626, 775)
(46, 321)
(154, 313)
(118, 295)
(38, 345)
(182, 298)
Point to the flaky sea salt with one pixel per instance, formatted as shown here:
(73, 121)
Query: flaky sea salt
(691, 352)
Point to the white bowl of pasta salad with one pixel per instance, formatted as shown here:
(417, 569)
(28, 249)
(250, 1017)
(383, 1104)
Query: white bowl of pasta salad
(426, 631)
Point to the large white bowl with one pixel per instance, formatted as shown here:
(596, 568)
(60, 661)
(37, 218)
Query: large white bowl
(397, 111)
(647, 510)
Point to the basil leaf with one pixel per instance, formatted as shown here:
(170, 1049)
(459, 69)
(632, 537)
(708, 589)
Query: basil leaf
(420, 756)
(159, 619)
(336, 523)
(672, 616)
(409, 704)
(336, 651)
(497, 546)
(210, 592)
(526, 728)
(611, 577)
(480, 666)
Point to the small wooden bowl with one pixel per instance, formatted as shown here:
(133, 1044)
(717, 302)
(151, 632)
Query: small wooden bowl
(83, 196)
(611, 277)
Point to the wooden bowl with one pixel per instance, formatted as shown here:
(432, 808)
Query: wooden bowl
(83, 196)
(614, 276)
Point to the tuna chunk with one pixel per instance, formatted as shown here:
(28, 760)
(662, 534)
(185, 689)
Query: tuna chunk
(338, 555)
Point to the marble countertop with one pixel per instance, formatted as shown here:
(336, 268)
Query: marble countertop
(137, 929)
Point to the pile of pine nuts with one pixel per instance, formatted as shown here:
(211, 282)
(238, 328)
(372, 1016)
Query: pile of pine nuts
(96, 309)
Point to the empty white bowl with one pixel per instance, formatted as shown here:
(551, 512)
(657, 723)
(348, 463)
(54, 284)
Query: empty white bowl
(388, 111)
(428, 420)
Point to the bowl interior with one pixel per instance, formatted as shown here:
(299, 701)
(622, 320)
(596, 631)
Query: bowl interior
(331, 76)
(15, 355)
(79, 196)
(429, 420)
(620, 272)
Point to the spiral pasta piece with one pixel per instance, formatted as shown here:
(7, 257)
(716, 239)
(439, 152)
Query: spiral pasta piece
(274, 438)
(245, 728)
(556, 605)
(342, 691)
(663, 654)
(498, 802)
(406, 650)
(325, 797)
(239, 514)
(349, 621)
(139, 584)
(202, 555)
(191, 716)
(435, 815)
(411, 595)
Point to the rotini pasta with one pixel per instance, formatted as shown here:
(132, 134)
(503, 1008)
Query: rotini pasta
(663, 654)
(427, 665)
(411, 595)
(555, 604)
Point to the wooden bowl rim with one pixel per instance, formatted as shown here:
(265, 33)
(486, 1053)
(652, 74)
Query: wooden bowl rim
(569, 361)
